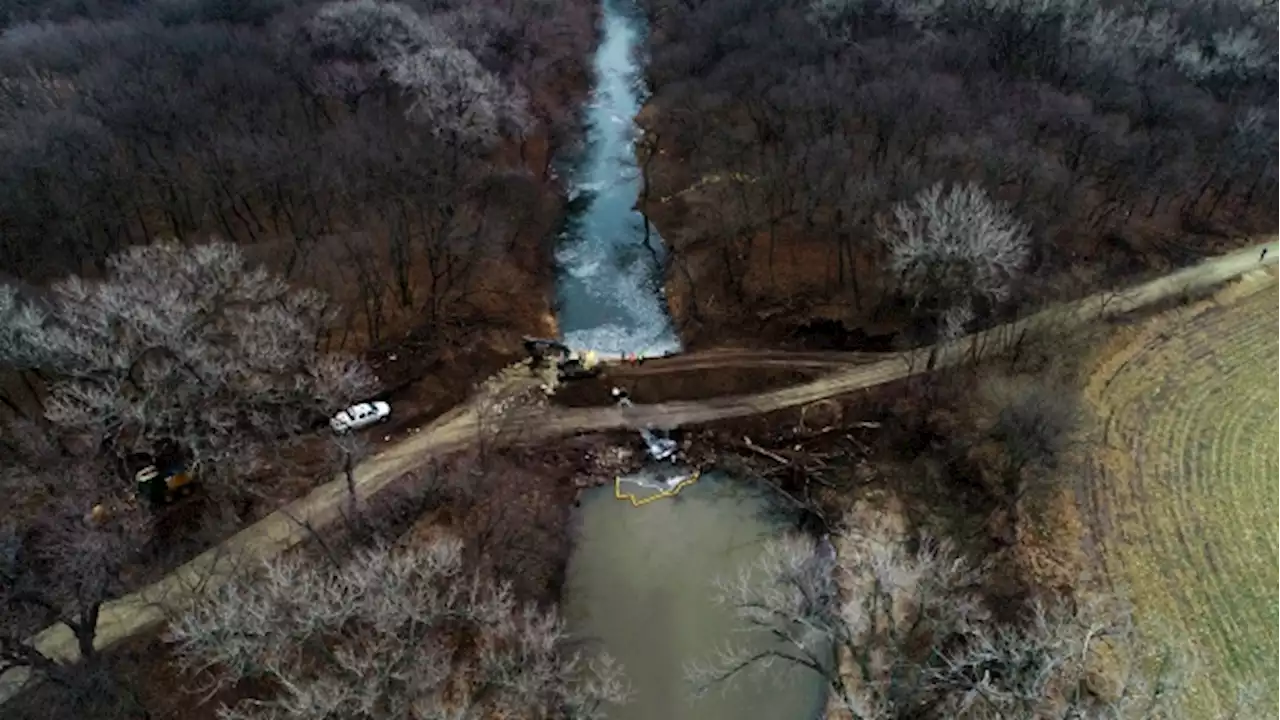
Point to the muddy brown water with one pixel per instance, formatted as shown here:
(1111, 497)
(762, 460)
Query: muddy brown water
(640, 585)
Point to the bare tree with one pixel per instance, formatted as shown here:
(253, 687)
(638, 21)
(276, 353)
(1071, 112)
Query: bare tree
(15, 355)
(369, 29)
(345, 453)
(177, 346)
(188, 346)
(953, 247)
(1031, 424)
(59, 563)
(1060, 660)
(516, 527)
(901, 633)
(450, 89)
(405, 634)
(1229, 56)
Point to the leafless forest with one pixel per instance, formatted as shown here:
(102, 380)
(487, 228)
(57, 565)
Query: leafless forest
(380, 152)
(1122, 135)
(210, 212)
(215, 215)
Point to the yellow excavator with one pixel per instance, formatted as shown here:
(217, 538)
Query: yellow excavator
(159, 483)
(162, 487)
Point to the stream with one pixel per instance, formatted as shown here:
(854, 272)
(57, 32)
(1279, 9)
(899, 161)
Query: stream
(639, 582)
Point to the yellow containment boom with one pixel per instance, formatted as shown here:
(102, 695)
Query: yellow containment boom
(664, 493)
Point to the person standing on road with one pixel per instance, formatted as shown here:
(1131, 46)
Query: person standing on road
(1263, 256)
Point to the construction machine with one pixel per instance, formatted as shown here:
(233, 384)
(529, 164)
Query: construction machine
(158, 483)
(163, 485)
(163, 475)
(570, 364)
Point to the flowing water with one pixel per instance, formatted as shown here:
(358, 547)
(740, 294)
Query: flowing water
(640, 579)
(609, 297)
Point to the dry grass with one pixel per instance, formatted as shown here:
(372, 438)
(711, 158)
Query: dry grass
(1184, 497)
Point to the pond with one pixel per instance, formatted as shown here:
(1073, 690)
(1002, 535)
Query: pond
(641, 584)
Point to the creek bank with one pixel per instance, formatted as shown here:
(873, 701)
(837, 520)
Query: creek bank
(808, 459)
(786, 298)
(427, 368)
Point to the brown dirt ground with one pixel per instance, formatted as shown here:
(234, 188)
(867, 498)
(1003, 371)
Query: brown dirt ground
(796, 282)
(684, 385)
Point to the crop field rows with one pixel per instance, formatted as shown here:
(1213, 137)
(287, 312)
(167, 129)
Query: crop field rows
(1185, 490)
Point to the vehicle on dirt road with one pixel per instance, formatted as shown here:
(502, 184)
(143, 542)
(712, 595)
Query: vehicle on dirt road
(360, 416)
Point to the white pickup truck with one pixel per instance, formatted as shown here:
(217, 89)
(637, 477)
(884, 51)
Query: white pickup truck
(360, 415)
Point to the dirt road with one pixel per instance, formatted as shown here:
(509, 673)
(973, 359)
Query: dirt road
(725, 358)
(148, 608)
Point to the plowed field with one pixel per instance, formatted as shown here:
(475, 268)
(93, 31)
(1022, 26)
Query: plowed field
(1185, 487)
